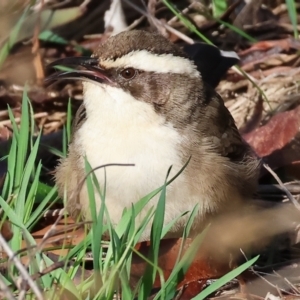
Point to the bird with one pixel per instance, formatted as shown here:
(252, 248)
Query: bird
(145, 102)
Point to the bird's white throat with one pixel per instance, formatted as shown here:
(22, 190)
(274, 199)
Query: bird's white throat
(120, 129)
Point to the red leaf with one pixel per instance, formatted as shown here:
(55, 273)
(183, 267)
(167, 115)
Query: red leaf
(276, 134)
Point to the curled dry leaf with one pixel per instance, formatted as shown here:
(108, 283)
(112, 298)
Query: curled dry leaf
(280, 45)
(278, 141)
(65, 233)
(268, 59)
(267, 54)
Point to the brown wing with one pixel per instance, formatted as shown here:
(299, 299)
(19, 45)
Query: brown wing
(221, 128)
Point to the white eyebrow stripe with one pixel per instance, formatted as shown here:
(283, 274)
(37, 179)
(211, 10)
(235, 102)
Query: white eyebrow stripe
(149, 62)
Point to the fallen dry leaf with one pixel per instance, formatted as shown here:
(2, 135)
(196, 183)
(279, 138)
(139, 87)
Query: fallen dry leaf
(280, 45)
(201, 269)
(278, 141)
(268, 59)
(65, 233)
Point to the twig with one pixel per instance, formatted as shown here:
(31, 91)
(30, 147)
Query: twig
(176, 32)
(185, 11)
(135, 23)
(81, 183)
(282, 186)
(25, 276)
(292, 286)
(37, 60)
(5, 290)
(49, 269)
(18, 119)
(51, 231)
(85, 3)
(266, 189)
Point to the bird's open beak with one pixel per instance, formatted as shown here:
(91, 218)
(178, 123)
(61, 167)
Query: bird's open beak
(90, 70)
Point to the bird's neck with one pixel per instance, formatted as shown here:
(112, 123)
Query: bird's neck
(117, 107)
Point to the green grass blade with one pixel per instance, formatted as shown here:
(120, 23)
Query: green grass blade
(225, 279)
(37, 214)
(194, 29)
(22, 140)
(30, 198)
(238, 31)
(93, 211)
(291, 7)
(260, 91)
(50, 36)
(181, 267)
(219, 7)
(42, 192)
(29, 167)
(69, 121)
(61, 276)
(168, 226)
(60, 154)
(138, 206)
(185, 21)
(155, 236)
(5, 49)
(11, 166)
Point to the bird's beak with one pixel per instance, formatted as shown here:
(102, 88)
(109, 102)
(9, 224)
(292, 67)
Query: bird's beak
(90, 70)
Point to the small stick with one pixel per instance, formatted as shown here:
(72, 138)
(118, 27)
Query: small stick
(24, 274)
(289, 195)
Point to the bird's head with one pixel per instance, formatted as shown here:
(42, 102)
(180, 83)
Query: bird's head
(137, 66)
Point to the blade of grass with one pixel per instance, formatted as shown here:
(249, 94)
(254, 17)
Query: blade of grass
(225, 279)
(22, 195)
(93, 211)
(138, 206)
(185, 21)
(23, 139)
(218, 7)
(194, 29)
(5, 49)
(291, 7)
(181, 267)
(38, 212)
(11, 163)
(238, 31)
(69, 121)
(260, 91)
(50, 36)
(155, 236)
(30, 199)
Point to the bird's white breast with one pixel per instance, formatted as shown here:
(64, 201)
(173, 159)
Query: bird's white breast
(120, 129)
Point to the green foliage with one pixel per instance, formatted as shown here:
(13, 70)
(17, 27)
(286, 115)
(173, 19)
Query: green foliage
(185, 21)
(225, 279)
(23, 24)
(50, 36)
(6, 47)
(291, 6)
(20, 189)
(219, 7)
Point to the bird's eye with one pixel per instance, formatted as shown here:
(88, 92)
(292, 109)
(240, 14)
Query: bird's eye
(128, 73)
